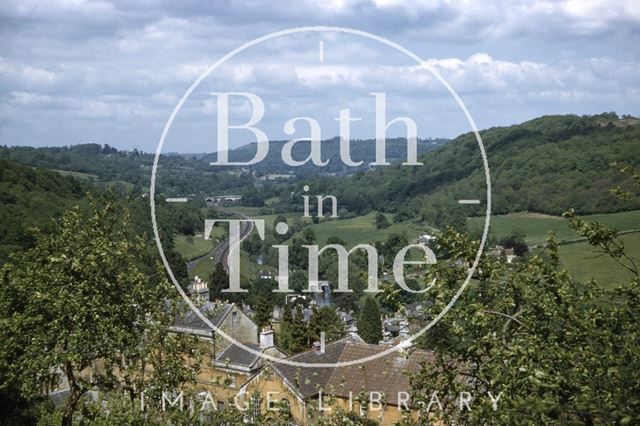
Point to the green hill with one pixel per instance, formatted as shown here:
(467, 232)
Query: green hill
(28, 198)
(130, 171)
(546, 165)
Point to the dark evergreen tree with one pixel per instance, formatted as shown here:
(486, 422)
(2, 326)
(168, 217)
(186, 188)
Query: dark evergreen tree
(218, 280)
(292, 337)
(515, 241)
(325, 319)
(284, 337)
(262, 316)
(370, 325)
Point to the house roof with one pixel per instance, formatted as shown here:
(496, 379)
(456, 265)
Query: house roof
(190, 321)
(345, 316)
(387, 374)
(305, 381)
(237, 358)
(392, 325)
(236, 355)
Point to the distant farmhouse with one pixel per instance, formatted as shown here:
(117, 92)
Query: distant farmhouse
(424, 239)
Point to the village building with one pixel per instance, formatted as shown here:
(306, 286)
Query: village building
(229, 370)
(352, 388)
(199, 290)
(226, 365)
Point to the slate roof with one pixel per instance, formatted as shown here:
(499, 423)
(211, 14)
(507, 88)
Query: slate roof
(392, 325)
(191, 320)
(305, 381)
(387, 374)
(236, 355)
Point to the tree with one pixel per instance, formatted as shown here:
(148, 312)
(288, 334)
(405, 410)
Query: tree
(559, 351)
(262, 316)
(283, 336)
(253, 244)
(298, 281)
(395, 242)
(515, 241)
(186, 219)
(336, 240)
(381, 221)
(392, 297)
(370, 325)
(292, 337)
(326, 319)
(218, 281)
(263, 288)
(299, 331)
(87, 292)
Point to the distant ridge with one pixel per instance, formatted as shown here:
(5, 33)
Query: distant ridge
(545, 165)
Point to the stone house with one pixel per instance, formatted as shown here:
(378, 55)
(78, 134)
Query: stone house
(307, 390)
(226, 365)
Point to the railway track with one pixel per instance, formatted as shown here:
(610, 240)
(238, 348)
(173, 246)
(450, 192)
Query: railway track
(220, 254)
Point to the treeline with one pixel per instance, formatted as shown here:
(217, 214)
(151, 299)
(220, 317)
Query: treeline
(360, 149)
(103, 164)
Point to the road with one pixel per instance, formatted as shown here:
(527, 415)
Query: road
(220, 253)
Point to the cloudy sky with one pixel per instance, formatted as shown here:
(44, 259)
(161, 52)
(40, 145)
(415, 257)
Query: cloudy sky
(76, 71)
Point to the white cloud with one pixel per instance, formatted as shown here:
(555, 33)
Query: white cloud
(73, 61)
(38, 75)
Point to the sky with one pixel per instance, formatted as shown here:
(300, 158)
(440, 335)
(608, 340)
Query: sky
(110, 72)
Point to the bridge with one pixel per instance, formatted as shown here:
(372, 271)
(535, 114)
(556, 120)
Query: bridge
(218, 199)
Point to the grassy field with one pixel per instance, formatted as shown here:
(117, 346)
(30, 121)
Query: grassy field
(584, 263)
(77, 175)
(255, 213)
(579, 258)
(203, 269)
(193, 247)
(248, 269)
(362, 229)
(536, 226)
(249, 211)
(354, 231)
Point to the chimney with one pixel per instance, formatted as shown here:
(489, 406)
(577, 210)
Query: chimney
(353, 332)
(266, 339)
(318, 347)
(403, 329)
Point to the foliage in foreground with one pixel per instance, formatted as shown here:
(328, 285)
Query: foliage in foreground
(86, 295)
(556, 350)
